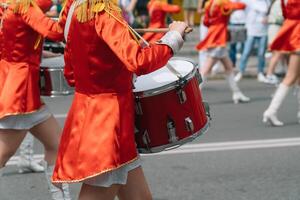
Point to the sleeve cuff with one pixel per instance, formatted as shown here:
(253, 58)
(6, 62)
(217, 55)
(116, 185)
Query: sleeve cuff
(173, 39)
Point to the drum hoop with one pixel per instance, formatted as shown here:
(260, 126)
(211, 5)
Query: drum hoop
(51, 69)
(178, 143)
(170, 86)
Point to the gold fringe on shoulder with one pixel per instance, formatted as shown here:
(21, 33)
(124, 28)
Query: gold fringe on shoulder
(89, 8)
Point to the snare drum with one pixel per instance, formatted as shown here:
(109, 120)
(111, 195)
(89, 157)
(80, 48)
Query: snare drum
(52, 80)
(169, 107)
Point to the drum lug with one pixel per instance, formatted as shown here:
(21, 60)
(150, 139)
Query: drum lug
(138, 107)
(207, 110)
(171, 130)
(189, 124)
(181, 95)
(198, 77)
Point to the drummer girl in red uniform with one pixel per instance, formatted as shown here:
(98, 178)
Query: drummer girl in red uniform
(97, 146)
(158, 9)
(216, 18)
(287, 41)
(21, 109)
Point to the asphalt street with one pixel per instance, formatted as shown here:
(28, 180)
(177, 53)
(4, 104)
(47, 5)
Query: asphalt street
(239, 158)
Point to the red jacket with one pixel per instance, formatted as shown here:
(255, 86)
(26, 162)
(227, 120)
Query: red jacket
(21, 55)
(216, 21)
(158, 11)
(288, 37)
(101, 57)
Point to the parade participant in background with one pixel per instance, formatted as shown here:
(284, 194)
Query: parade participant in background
(21, 108)
(26, 161)
(275, 20)
(158, 9)
(202, 34)
(216, 18)
(97, 147)
(257, 31)
(286, 41)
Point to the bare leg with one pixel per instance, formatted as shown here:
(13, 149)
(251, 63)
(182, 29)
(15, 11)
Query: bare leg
(237, 95)
(209, 63)
(191, 17)
(273, 62)
(48, 133)
(89, 192)
(136, 187)
(186, 16)
(10, 140)
(293, 70)
(270, 115)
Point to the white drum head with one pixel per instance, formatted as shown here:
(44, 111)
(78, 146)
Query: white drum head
(163, 76)
(54, 62)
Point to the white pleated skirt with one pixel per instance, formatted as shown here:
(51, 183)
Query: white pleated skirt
(117, 176)
(25, 121)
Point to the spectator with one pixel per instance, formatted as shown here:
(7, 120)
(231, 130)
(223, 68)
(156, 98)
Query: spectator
(257, 30)
(189, 7)
(237, 26)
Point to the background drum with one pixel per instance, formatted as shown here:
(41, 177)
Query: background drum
(169, 107)
(55, 47)
(52, 80)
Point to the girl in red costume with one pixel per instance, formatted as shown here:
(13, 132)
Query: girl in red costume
(286, 41)
(23, 27)
(97, 147)
(158, 9)
(216, 18)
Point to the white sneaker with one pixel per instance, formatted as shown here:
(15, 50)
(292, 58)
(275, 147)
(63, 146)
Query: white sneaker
(261, 78)
(238, 77)
(272, 79)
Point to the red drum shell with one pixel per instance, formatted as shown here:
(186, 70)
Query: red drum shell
(158, 109)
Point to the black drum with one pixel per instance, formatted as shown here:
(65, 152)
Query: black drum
(55, 47)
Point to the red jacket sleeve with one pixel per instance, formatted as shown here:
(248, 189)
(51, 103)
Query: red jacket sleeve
(42, 24)
(170, 8)
(136, 59)
(233, 6)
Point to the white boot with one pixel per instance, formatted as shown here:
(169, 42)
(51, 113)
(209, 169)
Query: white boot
(57, 193)
(237, 95)
(26, 163)
(270, 115)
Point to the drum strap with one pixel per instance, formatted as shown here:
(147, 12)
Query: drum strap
(69, 17)
(173, 70)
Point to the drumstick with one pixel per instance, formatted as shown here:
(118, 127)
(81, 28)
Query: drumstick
(159, 30)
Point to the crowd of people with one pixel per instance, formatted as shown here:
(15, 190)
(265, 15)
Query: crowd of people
(102, 107)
